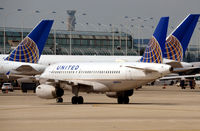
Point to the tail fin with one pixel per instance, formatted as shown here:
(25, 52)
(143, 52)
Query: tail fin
(156, 47)
(177, 42)
(30, 49)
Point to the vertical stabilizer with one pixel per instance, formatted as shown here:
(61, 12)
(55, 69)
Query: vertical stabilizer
(31, 47)
(156, 46)
(177, 42)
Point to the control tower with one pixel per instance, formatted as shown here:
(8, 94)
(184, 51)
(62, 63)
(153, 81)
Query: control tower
(71, 21)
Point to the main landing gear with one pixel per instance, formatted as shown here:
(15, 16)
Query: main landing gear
(123, 97)
(59, 94)
(76, 99)
(59, 100)
(123, 100)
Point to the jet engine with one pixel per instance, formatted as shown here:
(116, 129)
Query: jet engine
(48, 91)
(118, 94)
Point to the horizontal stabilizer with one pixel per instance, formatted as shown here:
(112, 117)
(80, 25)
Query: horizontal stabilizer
(146, 70)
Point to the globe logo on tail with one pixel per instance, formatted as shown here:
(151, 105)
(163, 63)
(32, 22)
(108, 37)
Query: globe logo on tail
(153, 53)
(26, 51)
(174, 50)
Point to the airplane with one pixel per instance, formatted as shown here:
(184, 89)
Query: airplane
(107, 77)
(24, 58)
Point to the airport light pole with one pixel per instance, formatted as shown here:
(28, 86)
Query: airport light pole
(126, 17)
(54, 32)
(126, 42)
(113, 40)
(5, 19)
(23, 16)
(120, 41)
(139, 20)
(70, 31)
(132, 34)
(4, 33)
(22, 31)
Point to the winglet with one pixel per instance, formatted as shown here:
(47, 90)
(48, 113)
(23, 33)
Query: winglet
(156, 46)
(30, 49)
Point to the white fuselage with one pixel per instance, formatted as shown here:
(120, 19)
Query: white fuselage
(107, 76)
(53, 59)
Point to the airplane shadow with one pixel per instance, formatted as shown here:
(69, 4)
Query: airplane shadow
(101, 103)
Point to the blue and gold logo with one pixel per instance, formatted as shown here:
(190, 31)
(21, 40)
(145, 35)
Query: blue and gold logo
(26, 51)
(174, 50)
(153, 53)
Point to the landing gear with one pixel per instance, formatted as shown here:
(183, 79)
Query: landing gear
(59, 100)
(123, 97)
(123, 100)
(77, 100)
(59, 94)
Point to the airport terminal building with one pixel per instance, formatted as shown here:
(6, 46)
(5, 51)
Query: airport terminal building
(82, 42)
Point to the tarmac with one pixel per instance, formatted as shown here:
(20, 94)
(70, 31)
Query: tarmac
(151, 108)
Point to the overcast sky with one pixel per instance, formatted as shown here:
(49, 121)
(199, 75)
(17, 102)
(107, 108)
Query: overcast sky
(98, 11)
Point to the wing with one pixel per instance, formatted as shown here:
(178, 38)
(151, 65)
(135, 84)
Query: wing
(84, 85)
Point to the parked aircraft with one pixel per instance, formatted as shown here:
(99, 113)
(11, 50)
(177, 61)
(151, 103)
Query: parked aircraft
(110, 77)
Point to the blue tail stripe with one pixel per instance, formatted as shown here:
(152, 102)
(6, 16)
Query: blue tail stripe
(161, 32)
(40, 34)
(184, 32)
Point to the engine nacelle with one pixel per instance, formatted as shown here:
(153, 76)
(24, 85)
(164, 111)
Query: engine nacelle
(48, 91)
(112, 94)
(121, 93)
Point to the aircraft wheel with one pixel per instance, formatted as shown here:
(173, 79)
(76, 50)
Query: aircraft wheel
(74, 100)
(126, 100)
(120, 100)
(80, 100)
(59, 100)
(183, 87)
